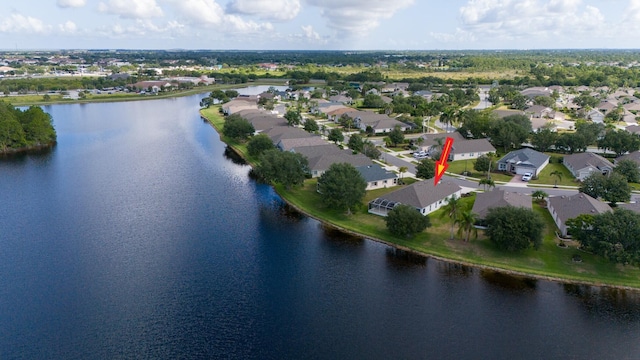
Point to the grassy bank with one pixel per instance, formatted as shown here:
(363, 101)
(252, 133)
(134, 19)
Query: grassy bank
(549, 262)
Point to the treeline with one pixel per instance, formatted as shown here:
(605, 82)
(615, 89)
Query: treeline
(42, 84)
(23, 129)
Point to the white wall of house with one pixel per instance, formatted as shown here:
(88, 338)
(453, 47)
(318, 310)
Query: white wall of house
(470, 155)
(381, 184)
(438, 204)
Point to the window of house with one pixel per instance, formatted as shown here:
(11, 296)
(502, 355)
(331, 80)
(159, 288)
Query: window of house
(375, 183)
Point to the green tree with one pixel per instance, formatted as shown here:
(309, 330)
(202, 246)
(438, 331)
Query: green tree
(335, 135)
(482, 164)
(613, 235)
(619, 142)
(406, 221)
(401, 171)
(356, 143)
(544, 101)
(487, 183)
(293, 117)
(521, 120)
(586, 101)
(284, 167)
(426, 169)
(370, 150)
(37, 126)
(557, 174)
(452, 210)
(543, 139)
(628, 169)
(611, 188)
(342, 187)
(373, 101)
(311, 126)
(237, 127)
(466, 224)
(513, 228)
(259, 144)
(396, 136)
(539, 195)
(508, 134)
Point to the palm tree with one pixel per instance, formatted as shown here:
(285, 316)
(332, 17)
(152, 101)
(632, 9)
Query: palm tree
(402, 170)
(539, 195)
(466, 221)
(558, 176)
(452, 210)
(487, 183)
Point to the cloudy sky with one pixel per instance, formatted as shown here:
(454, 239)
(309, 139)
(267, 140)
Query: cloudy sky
(319, 24)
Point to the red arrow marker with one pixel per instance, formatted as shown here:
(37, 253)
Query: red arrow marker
(441, 165)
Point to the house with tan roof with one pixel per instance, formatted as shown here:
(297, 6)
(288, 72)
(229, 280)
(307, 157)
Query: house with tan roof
(581, 165)
(425, 196)
(563, 208)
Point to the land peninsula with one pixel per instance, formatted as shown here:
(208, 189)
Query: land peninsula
(23, 131)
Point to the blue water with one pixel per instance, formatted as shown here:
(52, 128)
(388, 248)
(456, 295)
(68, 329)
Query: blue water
(137, 237)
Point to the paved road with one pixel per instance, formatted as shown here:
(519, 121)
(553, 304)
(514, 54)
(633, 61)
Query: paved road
(484, 99)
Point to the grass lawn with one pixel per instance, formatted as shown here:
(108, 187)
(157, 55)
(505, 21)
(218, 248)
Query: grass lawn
(550, 260)
(545, 176)
(458, 167)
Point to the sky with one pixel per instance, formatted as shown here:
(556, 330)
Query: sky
(319, 24)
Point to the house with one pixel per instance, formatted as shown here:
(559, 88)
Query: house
(296, 143)
(539, 111)
(581, 165)
(523, 161)
(563, 208)
(470, 149)
(607, 106)
(320, 157)
(377, 177)
(634, 129)
(379, 123)
(534, 92)
(278, 133)
(342, 99)
(425, 196)
(634, 156)
(499, 198)
(595, 116)
(237, 105)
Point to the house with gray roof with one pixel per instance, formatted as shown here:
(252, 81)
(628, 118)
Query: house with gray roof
(595, 116)
(634, 129)
(297, 143)
(278, 133)
(635, 206)
(423, 195)
(563, 208)
(581, 165)
(377, 177)
(523, 161)
(634, 156)
(470, 149)
(380, 123)
(499, 198)
(320, 157)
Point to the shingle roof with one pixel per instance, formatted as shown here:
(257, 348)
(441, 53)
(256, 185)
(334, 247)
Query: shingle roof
(634, 156)
(473, 145)
(288, 144)
(423, 193)
(278, 133)
(586, 159)
(499, 198)
(569, 207)
(525, 156)
(430, 139)
(375, 172)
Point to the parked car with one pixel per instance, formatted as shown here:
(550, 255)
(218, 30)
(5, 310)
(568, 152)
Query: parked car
(419, 155)
(527, 176)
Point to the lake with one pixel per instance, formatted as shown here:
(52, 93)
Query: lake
(138, 236)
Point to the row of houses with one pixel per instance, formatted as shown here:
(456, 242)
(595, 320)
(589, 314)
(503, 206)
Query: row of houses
(320, 153)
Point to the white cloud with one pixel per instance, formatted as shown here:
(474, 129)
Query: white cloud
(17, 23)
(279, 10)
(358, 17)
(209, 14)
(200, 12)
(548, 20)
(309, 33)
(142, 28)
(69, 27)
(460, 36)
(632, 13)
(71, 3)
(131, 9)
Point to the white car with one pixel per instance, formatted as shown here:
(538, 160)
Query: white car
(527, 176)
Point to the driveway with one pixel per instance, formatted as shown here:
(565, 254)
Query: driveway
(516, 181)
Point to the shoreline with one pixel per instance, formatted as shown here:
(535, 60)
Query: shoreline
(502, 270)
(27, 149)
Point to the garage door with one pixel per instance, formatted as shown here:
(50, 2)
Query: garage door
(521, 170)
